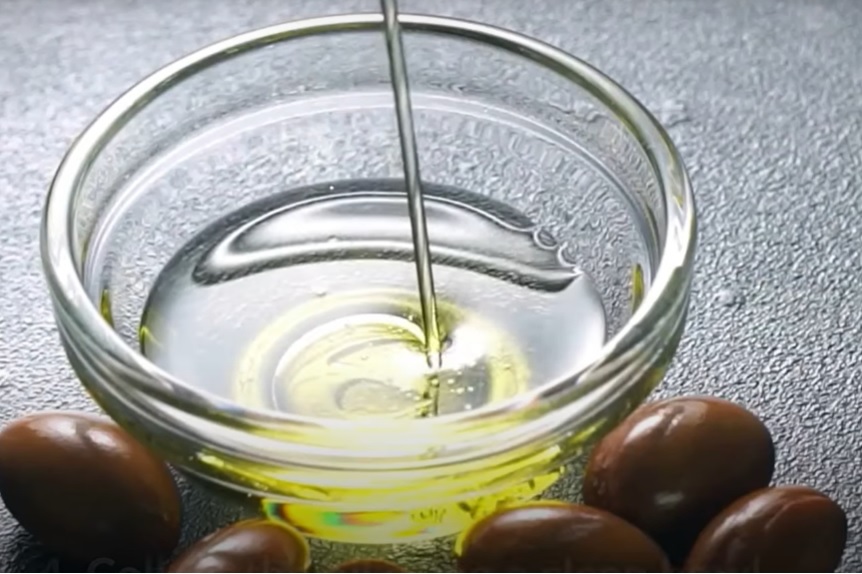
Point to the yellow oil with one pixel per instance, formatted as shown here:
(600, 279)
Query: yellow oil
(368, 516)
(361, 355)
(306, 304)
(638, 289)
(384, 345)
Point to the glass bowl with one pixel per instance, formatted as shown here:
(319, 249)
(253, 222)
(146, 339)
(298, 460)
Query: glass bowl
(304, 109)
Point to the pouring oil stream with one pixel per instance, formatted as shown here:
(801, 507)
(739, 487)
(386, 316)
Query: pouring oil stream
(416, 205)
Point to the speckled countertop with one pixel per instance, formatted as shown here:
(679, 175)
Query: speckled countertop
(761, 97)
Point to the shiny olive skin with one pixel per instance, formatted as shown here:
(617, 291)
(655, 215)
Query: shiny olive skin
(368, 565)
(674, 464)
(779, 529)
(247, 546)
(557, 537)
(86, 489)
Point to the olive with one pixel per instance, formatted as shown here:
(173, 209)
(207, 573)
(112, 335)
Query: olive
(86, 489)
(674, 464)
(557, 537)
(368, 565)
(779, 529)
(247, 546)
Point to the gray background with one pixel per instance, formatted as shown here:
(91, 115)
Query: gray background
(762, 98)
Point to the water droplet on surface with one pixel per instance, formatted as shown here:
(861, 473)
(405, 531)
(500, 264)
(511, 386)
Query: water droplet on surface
(729, 298)
(672, 113)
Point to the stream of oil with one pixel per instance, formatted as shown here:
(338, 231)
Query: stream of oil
(413, 184)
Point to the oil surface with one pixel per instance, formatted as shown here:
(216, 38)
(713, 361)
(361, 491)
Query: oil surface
(306, 303)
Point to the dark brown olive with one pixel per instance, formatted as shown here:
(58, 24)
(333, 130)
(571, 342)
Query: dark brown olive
(674, 464)
(557, 537)
(369, 565)
(247, 546)
(780, 529)
(86, 489)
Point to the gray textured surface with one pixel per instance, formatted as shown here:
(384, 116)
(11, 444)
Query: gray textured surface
(761, 97)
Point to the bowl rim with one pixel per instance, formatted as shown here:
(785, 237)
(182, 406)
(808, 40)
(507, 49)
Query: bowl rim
(668, 291)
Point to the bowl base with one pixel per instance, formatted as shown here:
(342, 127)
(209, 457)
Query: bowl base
(374, 518)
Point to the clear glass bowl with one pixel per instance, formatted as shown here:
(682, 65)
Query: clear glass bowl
(309, 102)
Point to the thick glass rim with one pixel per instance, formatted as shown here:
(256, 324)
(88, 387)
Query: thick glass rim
(666, 294)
